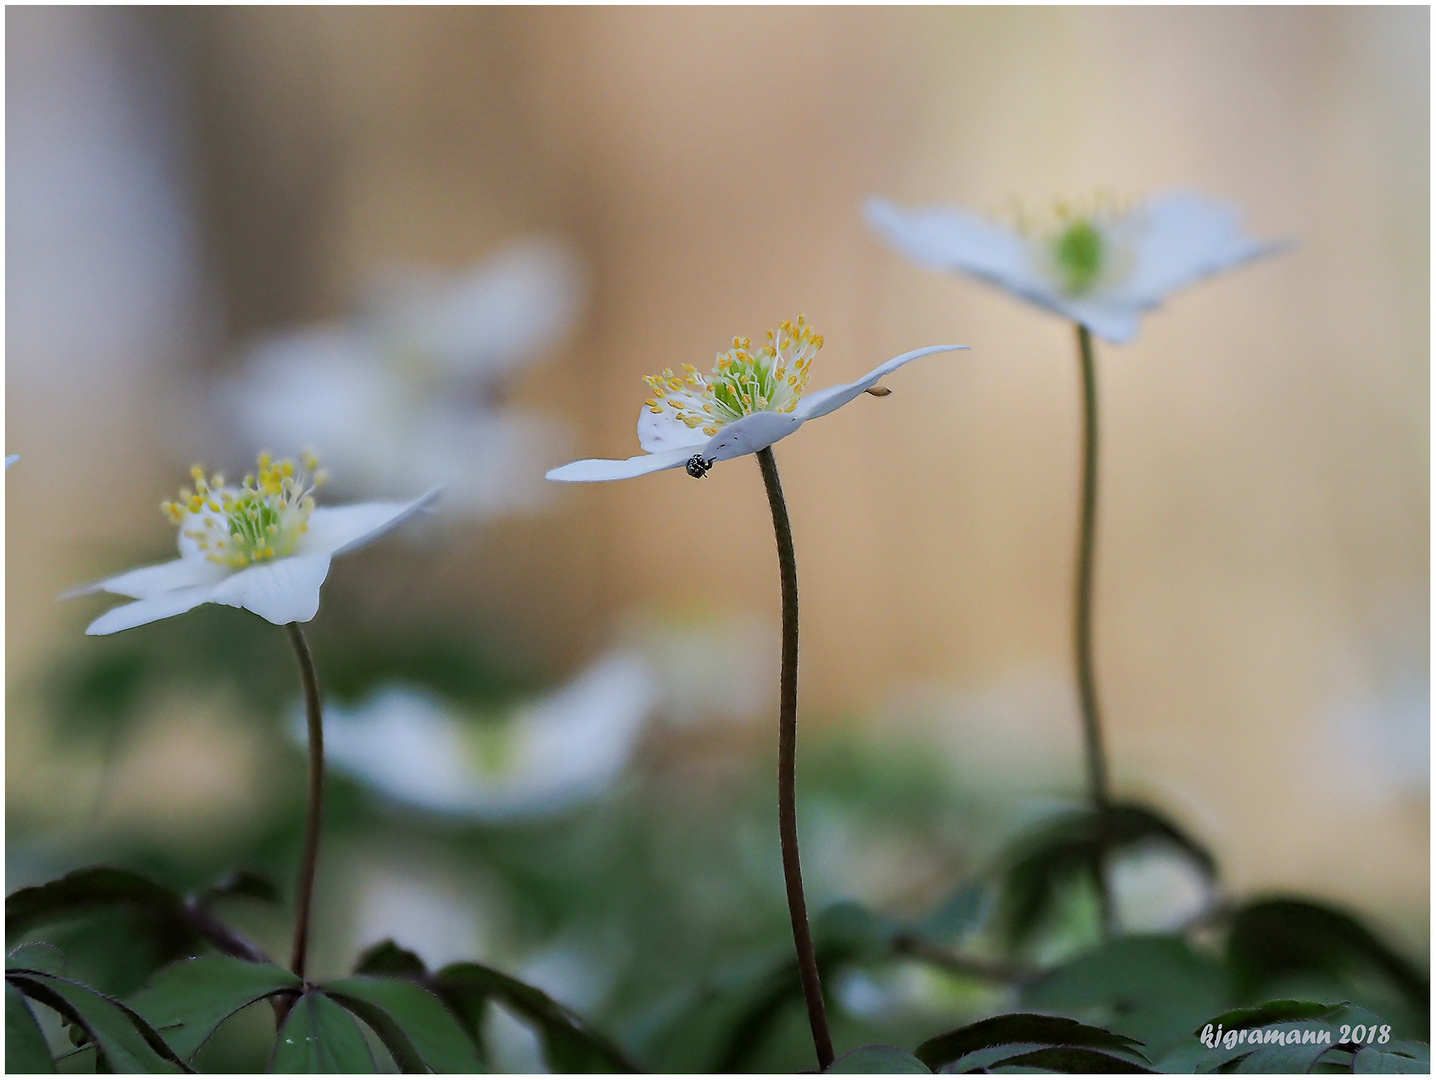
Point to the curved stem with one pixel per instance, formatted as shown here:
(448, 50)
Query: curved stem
(309, 860)
(1086, 679)
(787, 764)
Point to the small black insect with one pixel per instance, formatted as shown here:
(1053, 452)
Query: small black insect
(698, 467)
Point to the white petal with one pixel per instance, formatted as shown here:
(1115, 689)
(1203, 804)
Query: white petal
(148, 581)
(1111, 320)
(591, 470)
(282, 591)
(10, 459)
(750, 434)
(334, 530)
(127, 616)
(1187, 238)
(664, 431)
(824, 401)
(951, 239)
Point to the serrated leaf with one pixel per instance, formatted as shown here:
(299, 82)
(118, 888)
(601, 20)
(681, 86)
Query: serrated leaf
(1029, 1029)
(387, 958)
(570, 1044)
(1072, 1059)
(887, 1060)
(186, 1002)
(121, 1037)
(413, 1023)
(319, 1036)
(1276, 936)
(1282, 1057)
(26, 1050)
(37, 956)
(1394, 1057)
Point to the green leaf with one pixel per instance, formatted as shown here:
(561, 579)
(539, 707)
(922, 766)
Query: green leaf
(413, 1023)
(26, 1050)
(1394, 1057)
(878, 1059)
(189, 1000)
(319, 1036)
(1283, 1015)
(85, 890)
(37, 956)
(1062, 850)
(1153, 988)
(849, 931)
(961, 913)
(242, 883)
(387, 958)
(570, 1045)
(1073, 1059)
(1278, 936)
(122, 1038)
(1025, 1033)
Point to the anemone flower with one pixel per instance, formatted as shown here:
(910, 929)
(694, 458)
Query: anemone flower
(261, 545)
(543, 757)
(752, 399)
(417, 382)
(1101, 265)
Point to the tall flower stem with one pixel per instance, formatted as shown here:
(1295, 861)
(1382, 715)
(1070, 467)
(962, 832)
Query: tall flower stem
(1086, 679)
(309, 860)
(787, 764)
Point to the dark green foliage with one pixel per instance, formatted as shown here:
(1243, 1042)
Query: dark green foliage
(387, 958)
(185, 1003)
(888, 1060)
(1060, 852)
(319, 1036)
(121, 1038)
(26, 1050)
(1274, 937)
(569, 1044)
(1033, 1040)
(414, 1025)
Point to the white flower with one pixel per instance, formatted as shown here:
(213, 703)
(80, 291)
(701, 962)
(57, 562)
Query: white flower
(10, 459)
(752, 399)
(1101, 265)
(413, 386)
(545, 756)
(261, 545)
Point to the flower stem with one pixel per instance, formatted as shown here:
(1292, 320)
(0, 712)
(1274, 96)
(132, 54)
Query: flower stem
(309, 861)
(787, 764)
(1086, 679)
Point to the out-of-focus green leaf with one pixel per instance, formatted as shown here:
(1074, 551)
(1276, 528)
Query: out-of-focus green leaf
(887, 1060)
(241, 883)
(1150, 987)
(1278, 936)
(85, 890)
(570, 1044)
(413, 1023)
(1022, 1034)
(848, 931)
(1394, 1057)
(961, 913)
(26, 1050)
(1048, 858)
(319, 1036)
(1070, 1059)
(186, 1002)
(123, 1039)
(387, 958)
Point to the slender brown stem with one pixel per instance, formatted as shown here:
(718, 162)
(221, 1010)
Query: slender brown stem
(787, 764)
(309, 860)
(1086, 678)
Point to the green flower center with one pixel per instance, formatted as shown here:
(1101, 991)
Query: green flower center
(1078, 255)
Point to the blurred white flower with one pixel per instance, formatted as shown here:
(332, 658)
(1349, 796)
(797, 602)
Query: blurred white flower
(749, 402)
(414, 385)
(543, 757)
(262, 545)
(1101, 265)
(10, 459)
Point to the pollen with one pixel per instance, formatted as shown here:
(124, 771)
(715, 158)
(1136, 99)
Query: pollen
(259, 520)
(741, 382)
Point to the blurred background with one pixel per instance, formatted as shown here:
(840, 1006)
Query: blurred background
(444, 244)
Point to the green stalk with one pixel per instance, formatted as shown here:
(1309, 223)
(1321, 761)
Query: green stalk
(787, 764)
(309, 860)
